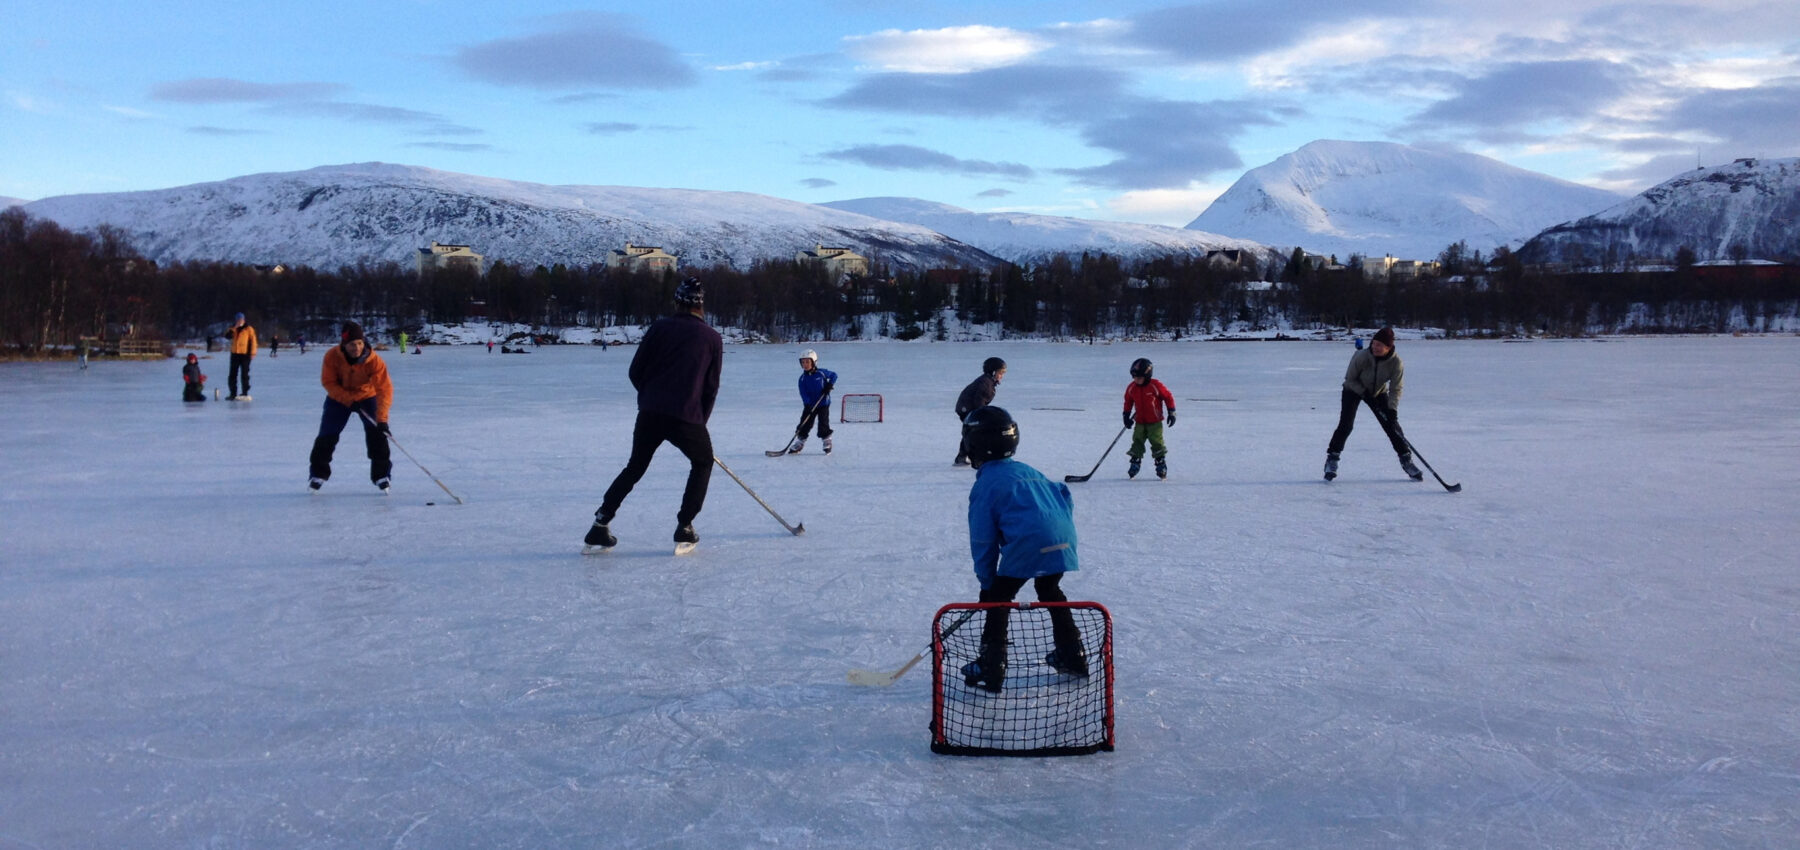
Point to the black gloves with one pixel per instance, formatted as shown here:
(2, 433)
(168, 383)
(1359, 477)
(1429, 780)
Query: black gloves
(828, 386)
(383, 428)
(1171, 419)
(1128, 420)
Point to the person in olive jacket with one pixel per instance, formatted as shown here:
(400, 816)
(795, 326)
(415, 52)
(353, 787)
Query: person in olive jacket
(356, 384)
(676, 373)
(1375, 378)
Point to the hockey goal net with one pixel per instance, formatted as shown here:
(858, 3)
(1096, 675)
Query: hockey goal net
(860, 407)
(1038, 709)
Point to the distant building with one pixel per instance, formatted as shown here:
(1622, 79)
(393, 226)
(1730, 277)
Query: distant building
(840, 262)
(1414, 269)
(440, 256)
(641, 258)
(1378, 268)
(277, 269)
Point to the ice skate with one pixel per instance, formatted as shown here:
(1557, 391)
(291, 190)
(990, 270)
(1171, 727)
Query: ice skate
(599, 538)
(986, 675)
(1331, 459)
(1137, 465)
(385, 483)
(315, 483)
(686, 538)
(1162, 469)
(828, 445)
(1411, 470)
(795, 446)
(1074, 665)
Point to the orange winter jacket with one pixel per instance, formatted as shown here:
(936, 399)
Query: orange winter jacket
(243, 340)
(348, 383)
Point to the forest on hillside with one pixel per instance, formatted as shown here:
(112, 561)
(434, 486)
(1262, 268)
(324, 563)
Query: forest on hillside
(58, 286)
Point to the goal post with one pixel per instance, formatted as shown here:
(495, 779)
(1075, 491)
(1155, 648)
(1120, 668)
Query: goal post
(1038, 709)
(860, 407)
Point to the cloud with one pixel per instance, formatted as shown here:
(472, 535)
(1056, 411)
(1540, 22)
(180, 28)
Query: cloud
(994, 193)
(914, 158)
(1159, 143)
(207, 130)
(426, 123)
(1233, 30)
(583, 51)
(1513, 97)
(228, 90)
(583, 97)
(953, 50)
(456, 147)
(818, 183)
(1759, 121)
(610, 128)
(128, 112)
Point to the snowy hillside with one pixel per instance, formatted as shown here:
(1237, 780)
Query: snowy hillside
(1753, 203)
(11, 202)
(1026, 238)
(1376, 198)
(373, 212)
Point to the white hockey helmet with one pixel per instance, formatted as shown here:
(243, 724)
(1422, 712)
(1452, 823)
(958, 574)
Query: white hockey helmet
(810, 354)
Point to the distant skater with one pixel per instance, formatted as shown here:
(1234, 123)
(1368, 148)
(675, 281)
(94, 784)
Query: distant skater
(243, 350)
(356, 384)
(978, 394)
(1375, 378)
(1021, 528)
(193, 383)
(815, 401)
(676, 373)
(1148, 407)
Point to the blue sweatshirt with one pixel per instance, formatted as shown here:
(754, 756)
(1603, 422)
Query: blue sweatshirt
(812, 385)
(1021, 524)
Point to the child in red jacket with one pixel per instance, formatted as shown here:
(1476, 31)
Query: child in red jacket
(193, 383)
(1148, 405)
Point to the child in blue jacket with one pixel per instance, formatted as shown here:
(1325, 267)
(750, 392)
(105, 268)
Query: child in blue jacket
(815, 401)
(1021, 527)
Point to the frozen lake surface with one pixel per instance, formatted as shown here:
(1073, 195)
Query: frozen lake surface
(1595, 644)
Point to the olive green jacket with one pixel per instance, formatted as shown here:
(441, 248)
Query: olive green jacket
(1368, 377)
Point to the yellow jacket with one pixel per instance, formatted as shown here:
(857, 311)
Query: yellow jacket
(243, 340)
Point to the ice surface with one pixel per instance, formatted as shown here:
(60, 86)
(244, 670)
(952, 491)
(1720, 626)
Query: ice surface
(1596, 644)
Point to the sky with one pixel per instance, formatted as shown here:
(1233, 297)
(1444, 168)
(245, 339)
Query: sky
(1125, 110)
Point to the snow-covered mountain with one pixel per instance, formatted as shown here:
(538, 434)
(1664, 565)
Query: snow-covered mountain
(1751, 203)
(1376, 198)
(1028, 238)
(345, 214)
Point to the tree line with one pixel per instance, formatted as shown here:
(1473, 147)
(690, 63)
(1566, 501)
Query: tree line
(57, 286)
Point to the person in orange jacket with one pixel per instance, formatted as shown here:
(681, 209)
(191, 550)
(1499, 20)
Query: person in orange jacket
(243, 350)
(356, 383)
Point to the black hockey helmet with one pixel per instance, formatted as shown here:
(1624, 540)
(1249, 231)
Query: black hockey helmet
(992, 365)
(989, 433)
(691, 293)
(1142, 367)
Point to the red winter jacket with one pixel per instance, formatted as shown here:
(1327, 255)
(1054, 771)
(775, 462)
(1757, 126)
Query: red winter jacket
(1148, 400)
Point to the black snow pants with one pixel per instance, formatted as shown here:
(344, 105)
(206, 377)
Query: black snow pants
(652, 430)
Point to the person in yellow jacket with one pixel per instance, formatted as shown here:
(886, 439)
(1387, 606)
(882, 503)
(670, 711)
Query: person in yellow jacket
(356, 384)
(243, 350)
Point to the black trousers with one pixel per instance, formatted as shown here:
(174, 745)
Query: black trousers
(1049, 589)
(240, 365)
(652, 430)
(1389, 419)
(331, 425)
(961, 454)
(822, 414)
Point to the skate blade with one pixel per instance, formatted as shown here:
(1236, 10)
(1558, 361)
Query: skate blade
(591, 549)
(684, 548)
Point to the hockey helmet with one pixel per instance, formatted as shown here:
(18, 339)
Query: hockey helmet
(989, 433)
(810, 354)
(992, 365)
(691, 293)
(1142, 367)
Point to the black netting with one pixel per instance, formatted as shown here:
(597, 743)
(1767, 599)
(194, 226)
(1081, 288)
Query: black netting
(860, 407)
(1038, 710)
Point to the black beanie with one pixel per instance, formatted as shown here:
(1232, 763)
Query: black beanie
(1385, 335)
(353, 330)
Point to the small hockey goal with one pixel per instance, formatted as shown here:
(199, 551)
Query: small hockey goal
(1044, 705)
(860, 407)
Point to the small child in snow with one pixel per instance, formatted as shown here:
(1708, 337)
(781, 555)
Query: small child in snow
(1021, 527)
(193, 383)
(815, 401)
(1148, 406)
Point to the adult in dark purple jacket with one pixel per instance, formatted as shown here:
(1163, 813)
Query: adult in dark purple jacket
(676, 373)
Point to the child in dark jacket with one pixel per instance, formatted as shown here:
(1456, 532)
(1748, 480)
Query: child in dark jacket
(193, 383)
(1021, 528)
(1148, 406)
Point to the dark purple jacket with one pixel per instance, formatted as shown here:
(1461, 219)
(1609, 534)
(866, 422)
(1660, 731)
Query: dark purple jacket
(676, 368)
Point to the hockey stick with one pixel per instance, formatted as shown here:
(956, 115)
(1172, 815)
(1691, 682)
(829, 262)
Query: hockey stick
(1077, 478)
(795, 530)
(805, 425)
(1382, 417)
(415, 460)
(878, 679)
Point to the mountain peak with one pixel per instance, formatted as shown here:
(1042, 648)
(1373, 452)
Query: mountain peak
(1377, 198)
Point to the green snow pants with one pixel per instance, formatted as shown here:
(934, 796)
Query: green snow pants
(1151, 433)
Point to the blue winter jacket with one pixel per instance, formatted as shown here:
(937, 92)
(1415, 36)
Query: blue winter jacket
(812, 385)
(1021, 524)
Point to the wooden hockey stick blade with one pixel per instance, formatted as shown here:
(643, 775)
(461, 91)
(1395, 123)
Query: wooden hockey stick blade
(880, 679)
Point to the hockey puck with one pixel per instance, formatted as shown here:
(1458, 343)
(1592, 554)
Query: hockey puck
(429, 504)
